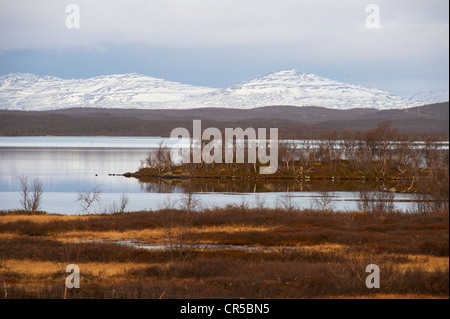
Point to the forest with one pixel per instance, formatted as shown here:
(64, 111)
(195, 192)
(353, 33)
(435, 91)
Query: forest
(429, 121)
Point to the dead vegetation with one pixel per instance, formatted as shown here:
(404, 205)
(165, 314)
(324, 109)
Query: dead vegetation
(308, 254)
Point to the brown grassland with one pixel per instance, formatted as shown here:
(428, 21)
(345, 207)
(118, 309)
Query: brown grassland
(259, 253)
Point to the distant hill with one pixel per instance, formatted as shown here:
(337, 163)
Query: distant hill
(295, 122)
(430, 97)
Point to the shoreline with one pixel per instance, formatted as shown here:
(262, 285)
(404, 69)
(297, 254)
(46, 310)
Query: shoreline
(261, 178)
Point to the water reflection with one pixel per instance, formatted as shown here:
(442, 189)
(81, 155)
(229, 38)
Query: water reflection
(69, 169)
(236, 186)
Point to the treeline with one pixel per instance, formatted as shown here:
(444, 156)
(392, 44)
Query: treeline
(378, 154)
(382, 152)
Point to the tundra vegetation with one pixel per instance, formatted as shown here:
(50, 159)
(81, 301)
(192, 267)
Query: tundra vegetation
(231, 252)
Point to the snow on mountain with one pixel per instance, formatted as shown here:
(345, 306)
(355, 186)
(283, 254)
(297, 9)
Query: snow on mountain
(19, 91)
(300, 89)
(431, 97)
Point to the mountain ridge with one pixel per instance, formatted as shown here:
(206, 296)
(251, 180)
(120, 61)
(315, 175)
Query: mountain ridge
(25, 91)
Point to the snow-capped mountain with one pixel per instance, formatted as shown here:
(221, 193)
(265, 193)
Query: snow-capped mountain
(19, 91)
(22, 91)
(432, 96)
(301, 89)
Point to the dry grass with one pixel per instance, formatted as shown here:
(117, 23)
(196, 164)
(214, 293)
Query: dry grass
(147, 236)
(27, 267)
(40, 219)
(425, 263)
(307, 254)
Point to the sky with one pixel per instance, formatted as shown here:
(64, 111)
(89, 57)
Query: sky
(401, 46)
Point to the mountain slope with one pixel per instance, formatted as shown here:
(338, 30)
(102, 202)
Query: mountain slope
(20, 91)
(432, 97)
(301, 89)
(29, 92)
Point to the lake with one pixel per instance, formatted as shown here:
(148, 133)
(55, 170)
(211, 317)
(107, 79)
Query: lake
(67, 165)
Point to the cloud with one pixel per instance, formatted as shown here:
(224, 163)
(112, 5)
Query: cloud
(318, 25)
(312, 34)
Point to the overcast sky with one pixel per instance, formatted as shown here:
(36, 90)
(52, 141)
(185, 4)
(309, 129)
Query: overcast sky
(218, 43)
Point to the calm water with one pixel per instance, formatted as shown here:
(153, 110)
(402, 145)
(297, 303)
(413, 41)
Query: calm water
(67, 165)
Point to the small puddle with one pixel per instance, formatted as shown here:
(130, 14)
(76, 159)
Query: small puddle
(247, 248)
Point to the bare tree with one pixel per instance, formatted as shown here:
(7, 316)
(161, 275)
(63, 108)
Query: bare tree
(119, 208)
(304, 160)
(383, 202)
(365, 200)
(23, 180)
(375, 201)
(421, 203)
(380, 141)
(430, 153)
(88, 196)
(349, 148)
(36, 195)
(260, 201)
(323, 201)
(178, 225)
(123, 202)
(330, 151)
(189, 201)
(244, 203)
(159, 159)
(30, 197)
(287, 151)
(167, 204)
(286, 202)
